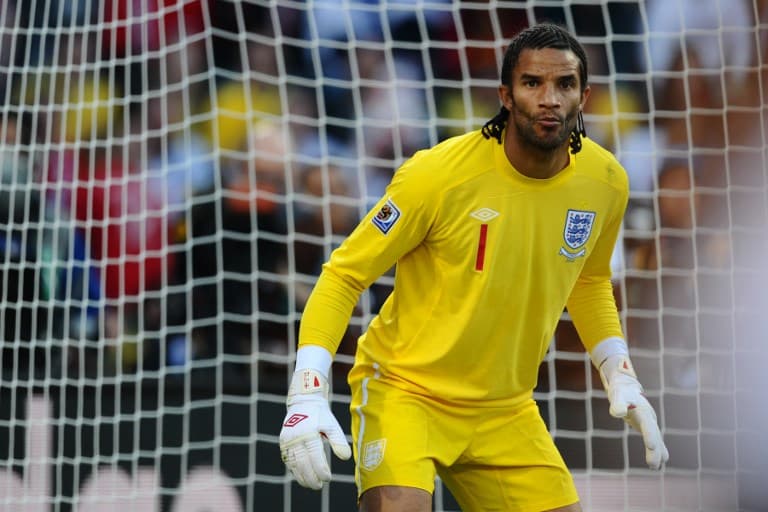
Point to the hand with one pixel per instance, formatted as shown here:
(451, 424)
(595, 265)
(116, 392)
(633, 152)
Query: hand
(308, 421)
(625, 395)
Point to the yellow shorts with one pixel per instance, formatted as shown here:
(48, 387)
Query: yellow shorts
(490, 458)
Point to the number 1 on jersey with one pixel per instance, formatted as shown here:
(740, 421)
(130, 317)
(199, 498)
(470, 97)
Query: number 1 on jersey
(480, 259)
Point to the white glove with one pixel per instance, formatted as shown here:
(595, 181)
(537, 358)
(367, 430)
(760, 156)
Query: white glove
(308, 421)
(625, 395)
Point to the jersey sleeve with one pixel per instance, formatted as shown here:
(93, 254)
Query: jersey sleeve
(398, 222)
(591, 304)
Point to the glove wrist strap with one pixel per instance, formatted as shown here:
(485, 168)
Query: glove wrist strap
(607, 348)
(314, 357)
(618, 364)
(307, 382)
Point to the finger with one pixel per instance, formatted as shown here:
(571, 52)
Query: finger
(317, 461)
(664, 453)
(305, 457)
(656, 454)
(619, 406)
(303, 468)
(655, 451)
(654, 458)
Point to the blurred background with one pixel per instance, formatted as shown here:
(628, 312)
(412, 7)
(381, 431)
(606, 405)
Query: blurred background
(173, 173)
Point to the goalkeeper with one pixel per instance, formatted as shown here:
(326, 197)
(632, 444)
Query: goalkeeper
(493, 234)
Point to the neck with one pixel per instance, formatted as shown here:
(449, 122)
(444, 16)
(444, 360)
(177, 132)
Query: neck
(534, 162)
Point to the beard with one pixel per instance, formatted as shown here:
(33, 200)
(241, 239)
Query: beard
(525, 124)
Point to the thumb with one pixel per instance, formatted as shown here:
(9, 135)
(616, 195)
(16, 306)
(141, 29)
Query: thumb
(335, 435)
(338, 441)
(619, 404)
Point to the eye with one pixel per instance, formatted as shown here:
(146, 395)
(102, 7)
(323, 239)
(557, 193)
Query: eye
(568, 83)
(530, 82)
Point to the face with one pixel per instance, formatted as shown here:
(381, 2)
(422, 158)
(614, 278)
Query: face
(544, 97)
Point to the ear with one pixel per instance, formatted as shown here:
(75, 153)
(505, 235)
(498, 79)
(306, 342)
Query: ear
(505, 96)
(584, 97)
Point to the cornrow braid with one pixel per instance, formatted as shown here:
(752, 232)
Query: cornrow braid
(578, 132)
(495, 127)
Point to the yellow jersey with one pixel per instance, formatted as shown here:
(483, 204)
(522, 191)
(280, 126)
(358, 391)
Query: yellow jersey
(486, 259)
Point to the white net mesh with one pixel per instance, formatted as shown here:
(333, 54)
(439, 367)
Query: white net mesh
(174, 172)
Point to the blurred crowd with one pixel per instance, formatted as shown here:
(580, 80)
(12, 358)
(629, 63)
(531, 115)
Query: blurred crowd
(175, 173)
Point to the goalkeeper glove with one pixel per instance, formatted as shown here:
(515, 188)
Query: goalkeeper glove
(625, 395)
(309, 419)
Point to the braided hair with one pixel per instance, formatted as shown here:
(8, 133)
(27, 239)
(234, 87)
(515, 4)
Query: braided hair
(538, 37)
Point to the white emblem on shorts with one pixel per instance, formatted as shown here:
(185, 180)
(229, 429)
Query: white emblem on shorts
(373, 454)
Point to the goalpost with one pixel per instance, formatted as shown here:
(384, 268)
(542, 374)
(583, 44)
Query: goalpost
(174, 173)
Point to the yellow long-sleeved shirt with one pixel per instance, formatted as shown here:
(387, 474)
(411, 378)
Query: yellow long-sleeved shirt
(486, 260)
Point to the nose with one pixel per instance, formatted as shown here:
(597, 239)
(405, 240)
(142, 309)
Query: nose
(549, 96)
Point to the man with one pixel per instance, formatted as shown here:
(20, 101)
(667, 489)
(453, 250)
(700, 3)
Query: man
(493, 234)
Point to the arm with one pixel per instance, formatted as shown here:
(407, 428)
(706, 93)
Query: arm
(593, 309)
(393, 227)
(309, 419)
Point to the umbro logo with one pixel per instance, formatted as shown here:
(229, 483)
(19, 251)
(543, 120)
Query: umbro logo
(484, 214)
(295, 419)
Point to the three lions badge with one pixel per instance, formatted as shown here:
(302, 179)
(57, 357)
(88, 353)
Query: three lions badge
(578, 228)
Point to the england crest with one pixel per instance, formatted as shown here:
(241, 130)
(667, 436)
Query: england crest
(373, 454)
(578, 228)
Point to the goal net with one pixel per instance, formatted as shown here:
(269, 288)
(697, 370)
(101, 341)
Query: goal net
(174, 173)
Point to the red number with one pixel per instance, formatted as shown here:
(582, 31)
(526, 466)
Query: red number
(480, 260)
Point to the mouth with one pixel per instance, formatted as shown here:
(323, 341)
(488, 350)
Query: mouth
(549, 122)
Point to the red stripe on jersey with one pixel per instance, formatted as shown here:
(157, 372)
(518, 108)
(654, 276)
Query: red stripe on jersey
(480, 260)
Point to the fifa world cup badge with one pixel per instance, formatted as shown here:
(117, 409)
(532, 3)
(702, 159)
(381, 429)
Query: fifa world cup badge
(386, 217)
